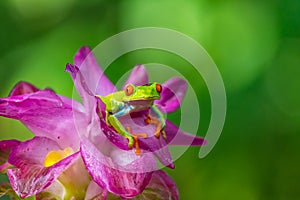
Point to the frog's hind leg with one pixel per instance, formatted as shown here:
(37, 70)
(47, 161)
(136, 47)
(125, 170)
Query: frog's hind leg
(114, 122)
(160, 121)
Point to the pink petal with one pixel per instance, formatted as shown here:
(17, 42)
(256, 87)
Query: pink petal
(126, 175)
(172, 94)
(95, 79)
(161, 186)
(175, 136)
(32, 151)
(138, 76)
(82, 88)
(89, 79)
(23, 88)
(160, 180)
(45, 114)
(31, 177)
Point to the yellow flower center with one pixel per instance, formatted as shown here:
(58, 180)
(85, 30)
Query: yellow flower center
(54, 157)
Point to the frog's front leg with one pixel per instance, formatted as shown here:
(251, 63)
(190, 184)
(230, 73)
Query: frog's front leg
(114, 122)
(158, 120)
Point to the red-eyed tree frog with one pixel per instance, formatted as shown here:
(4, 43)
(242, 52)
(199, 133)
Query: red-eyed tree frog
(134, 99)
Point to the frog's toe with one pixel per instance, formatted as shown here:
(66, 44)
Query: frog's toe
(164, 134)
(157, 134)
(130, 142)
(147, 119)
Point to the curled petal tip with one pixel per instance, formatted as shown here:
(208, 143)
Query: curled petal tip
(171, 166)
(23, 88)
(72, 69)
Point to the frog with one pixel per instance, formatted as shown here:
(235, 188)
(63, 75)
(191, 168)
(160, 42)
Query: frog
(134, 98)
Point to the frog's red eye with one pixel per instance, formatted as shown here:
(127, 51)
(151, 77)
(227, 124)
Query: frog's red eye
(129, 89)
(158, 88)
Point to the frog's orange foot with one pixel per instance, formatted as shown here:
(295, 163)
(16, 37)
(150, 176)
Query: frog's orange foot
(159, 128)
(148, 119)
(151, 119)
(160, 131)
(136, 141)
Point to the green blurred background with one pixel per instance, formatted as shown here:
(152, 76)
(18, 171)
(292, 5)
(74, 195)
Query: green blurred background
(255, 44)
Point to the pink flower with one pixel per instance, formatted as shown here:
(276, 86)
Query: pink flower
(75, 153)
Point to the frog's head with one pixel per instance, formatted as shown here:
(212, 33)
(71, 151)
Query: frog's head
(144, 92)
